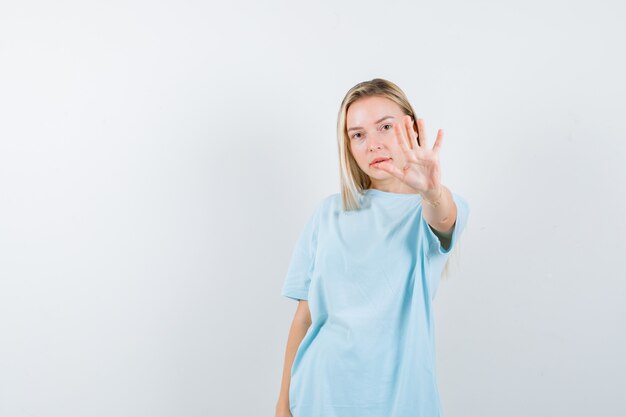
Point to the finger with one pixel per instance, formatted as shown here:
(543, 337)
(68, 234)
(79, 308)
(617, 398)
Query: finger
(421, 129)
(411, 132)
(401, 137)
(389, 167)
(438, 141)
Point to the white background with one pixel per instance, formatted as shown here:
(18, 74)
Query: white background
(158, 160)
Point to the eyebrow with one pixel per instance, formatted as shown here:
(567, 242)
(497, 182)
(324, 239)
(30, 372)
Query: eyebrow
(377, 121)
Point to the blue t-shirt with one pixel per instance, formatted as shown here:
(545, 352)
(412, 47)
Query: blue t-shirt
(370, 277)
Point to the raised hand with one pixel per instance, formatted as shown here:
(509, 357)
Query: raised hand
(421, 170)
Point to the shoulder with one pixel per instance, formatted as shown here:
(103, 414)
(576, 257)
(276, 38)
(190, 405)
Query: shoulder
(329, 201)
(326, 205)
(321, 208)
(332, 198)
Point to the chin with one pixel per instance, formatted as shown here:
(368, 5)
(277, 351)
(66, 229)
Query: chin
(379, 174)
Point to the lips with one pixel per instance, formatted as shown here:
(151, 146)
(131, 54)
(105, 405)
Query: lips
(379, 160)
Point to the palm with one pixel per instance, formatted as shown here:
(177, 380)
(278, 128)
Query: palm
(421, 171)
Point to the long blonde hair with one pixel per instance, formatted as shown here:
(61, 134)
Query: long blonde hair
(353, 181)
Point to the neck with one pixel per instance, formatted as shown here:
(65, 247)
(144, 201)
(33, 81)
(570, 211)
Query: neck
(393, 187)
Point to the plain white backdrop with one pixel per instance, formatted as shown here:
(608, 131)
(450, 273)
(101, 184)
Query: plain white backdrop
(158, 160)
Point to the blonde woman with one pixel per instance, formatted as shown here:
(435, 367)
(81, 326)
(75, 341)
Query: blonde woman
(366, 267)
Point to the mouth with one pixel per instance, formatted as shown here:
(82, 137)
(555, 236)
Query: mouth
(377, 160)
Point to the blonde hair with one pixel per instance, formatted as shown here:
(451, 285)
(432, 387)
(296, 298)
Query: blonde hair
(353, 181)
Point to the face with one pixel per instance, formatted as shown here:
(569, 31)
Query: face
(371, 135)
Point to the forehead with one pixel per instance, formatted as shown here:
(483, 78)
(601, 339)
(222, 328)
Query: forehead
(367, 110)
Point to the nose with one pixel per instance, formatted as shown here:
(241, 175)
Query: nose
(376, 141)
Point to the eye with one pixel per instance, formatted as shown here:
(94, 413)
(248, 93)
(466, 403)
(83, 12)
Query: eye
(354, 136)
(387, 125)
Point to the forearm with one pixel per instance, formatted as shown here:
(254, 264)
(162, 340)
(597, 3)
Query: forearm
(296, 334)
(443, 216)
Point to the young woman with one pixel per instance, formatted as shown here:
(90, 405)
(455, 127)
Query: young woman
(366, 268)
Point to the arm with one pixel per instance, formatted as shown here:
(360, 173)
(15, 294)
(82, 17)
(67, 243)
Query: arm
(299, 326)
(442, 218)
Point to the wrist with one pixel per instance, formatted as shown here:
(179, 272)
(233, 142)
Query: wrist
(433, 196)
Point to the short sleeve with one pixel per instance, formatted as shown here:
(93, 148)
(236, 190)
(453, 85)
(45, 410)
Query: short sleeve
(298, 278)
(434, 250)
